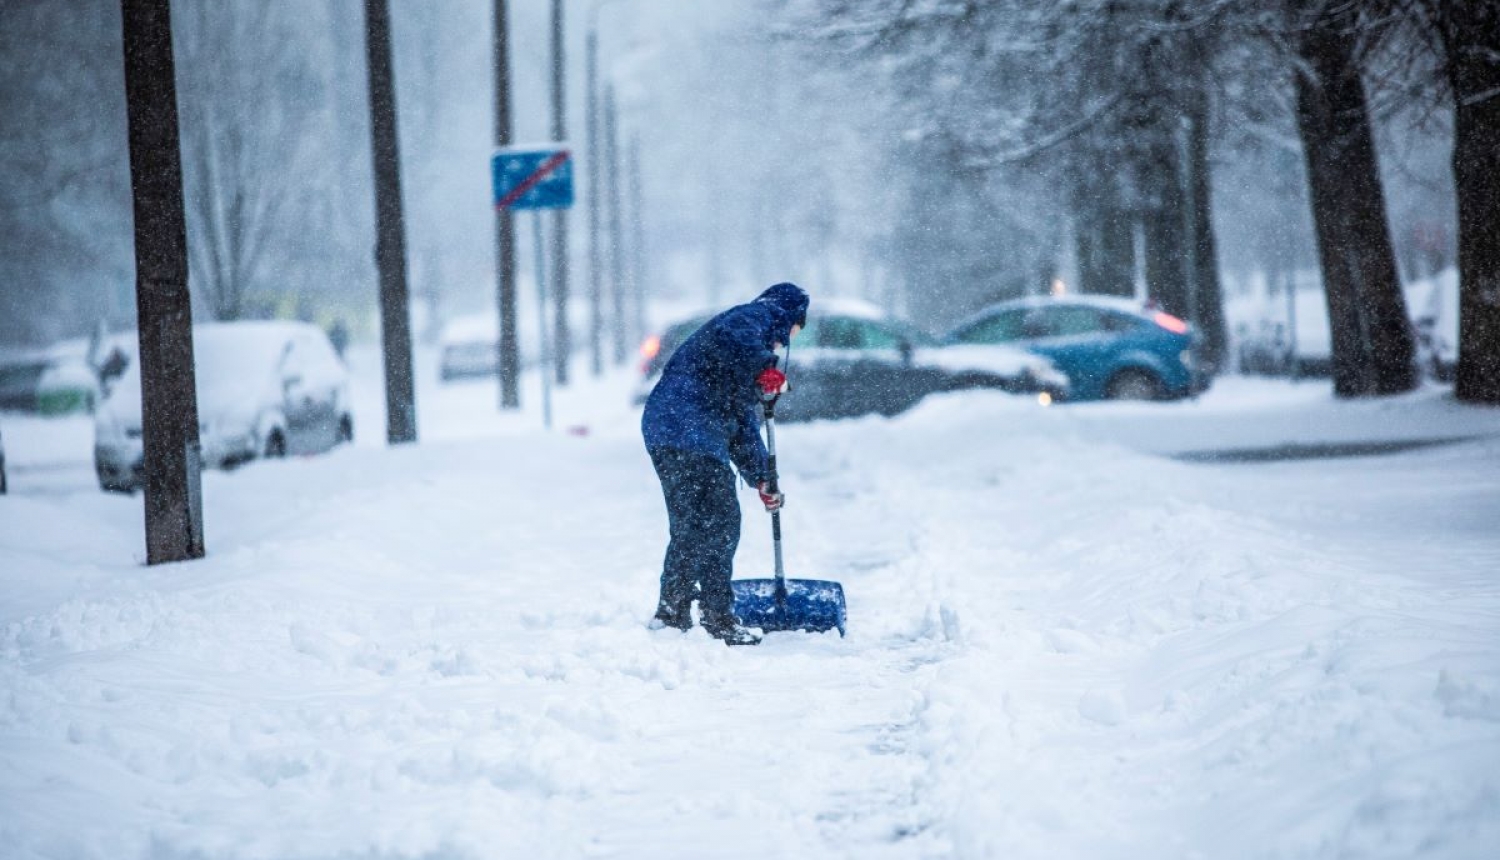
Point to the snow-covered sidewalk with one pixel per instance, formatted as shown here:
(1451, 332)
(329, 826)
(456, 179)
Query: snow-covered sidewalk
(1060, 645)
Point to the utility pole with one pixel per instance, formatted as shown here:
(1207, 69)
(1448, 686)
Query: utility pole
(169, 400)
(596, 251)
(390, 230)
(637, 237)
(1183, 135)
(562, 339)
(616, 227)
(715, 245)
(505, 230)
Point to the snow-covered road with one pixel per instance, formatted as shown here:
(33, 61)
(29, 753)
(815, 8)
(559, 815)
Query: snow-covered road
(1061, 645)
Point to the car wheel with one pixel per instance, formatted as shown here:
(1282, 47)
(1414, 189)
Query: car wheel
(275, 445)
(346, 429)
(1134, 385)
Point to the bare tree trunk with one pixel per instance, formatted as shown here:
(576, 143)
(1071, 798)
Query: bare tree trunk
(169, 401)
(1373, 347)
(1209, 301)
(1104, 237)
(1165, 223)
(390, 232)
(1472, 46)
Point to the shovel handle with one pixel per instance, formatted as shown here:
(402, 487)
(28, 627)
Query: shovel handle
(769, 403)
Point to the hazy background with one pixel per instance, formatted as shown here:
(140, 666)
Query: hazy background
(768, 153)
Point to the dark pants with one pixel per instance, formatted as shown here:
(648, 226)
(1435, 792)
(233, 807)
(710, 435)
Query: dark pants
(704, 517)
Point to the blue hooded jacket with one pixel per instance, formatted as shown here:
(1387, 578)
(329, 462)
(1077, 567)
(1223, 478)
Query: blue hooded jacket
(707, 400)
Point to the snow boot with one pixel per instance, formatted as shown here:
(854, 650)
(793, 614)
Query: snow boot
(727, 629)
(667, 616)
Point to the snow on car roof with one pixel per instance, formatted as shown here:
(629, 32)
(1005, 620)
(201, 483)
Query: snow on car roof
(250, 330)
(838, 306)
(847, 307)
(997, 359)
(472, 327)
(1113, 303)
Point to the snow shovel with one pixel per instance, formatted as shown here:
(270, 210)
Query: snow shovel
(779, 604)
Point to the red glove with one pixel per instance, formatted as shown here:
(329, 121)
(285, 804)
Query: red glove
(772, 501)
(772, 382)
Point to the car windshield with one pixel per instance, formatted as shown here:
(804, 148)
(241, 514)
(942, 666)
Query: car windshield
(21, 375)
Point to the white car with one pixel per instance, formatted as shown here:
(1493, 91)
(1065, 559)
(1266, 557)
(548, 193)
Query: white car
(469, 345)
(265, 389)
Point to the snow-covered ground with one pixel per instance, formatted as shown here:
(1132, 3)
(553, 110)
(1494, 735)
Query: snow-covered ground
(1062, 644)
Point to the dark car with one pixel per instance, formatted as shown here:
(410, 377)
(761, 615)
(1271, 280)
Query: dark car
(1108, 347)
(20, 374)
(852, 359)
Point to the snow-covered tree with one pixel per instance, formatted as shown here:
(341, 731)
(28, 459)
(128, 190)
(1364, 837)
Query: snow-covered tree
(1453, 60)
(1091, 115)
(252, 145)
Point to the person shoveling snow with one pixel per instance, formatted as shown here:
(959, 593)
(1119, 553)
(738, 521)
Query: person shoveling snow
(700, 418)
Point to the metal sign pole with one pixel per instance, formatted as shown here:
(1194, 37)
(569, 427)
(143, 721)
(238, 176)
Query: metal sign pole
(544, 361)
(536, 179)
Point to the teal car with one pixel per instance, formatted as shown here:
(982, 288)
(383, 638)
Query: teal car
(1109, 348)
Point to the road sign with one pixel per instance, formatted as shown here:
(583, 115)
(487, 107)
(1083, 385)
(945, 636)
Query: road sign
(533, 177)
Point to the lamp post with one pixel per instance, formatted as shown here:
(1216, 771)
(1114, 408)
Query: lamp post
(603, 188)
(509, 348)
(562, 340)
(390, 232)
(596, 287)
(616, 226)
(637, 238)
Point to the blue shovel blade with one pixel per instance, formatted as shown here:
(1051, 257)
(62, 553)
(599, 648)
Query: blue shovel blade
(814, 605)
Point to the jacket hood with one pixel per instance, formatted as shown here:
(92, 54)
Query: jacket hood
(788, 303)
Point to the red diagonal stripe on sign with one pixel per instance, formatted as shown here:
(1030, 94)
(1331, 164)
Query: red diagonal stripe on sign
(530, 182)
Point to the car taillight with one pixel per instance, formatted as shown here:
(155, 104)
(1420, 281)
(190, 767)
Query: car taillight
(650, 348)
(1170, 323)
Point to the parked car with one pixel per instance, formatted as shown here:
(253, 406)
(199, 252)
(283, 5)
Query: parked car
(20, 372)
(1285, 332)
(1109, 348)
(59, 380)
(69, 385)
(1433, 305)
(265, 389)
(853, 359)
(469, 346)
(1281, 331)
